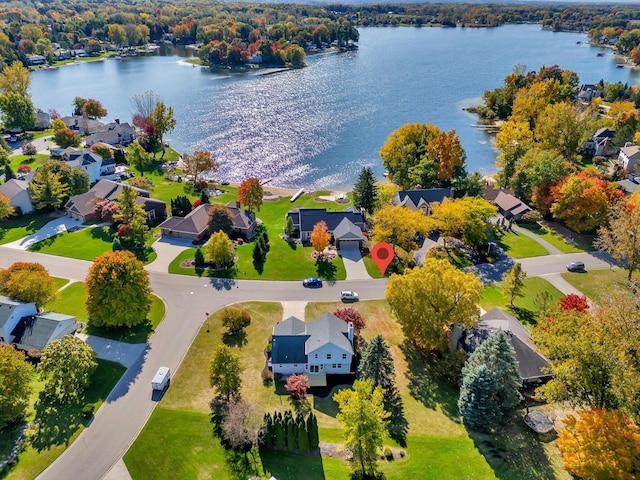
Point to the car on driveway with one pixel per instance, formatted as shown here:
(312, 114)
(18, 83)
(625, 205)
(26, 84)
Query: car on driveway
(312, 282)
(348, 296)
(575, 267)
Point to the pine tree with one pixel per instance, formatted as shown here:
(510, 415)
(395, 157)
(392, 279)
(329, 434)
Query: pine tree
(289, 228)
(365, 191)
(497, 354)
(258, 254)
(292, 442)
(280, 434)
(478, 403)
(265, 240)
(204, 198)
(8, 173)
(312, 430)
(198, 257)
(268, 432)
(303, 437)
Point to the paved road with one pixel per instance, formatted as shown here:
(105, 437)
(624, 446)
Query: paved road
(129, 405)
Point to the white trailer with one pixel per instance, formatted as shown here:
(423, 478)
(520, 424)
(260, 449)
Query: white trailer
(161, 379)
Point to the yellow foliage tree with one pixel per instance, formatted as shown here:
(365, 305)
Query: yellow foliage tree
(513, 140)
(429, 300)
(465, 218)
(398, 226)
(320, 236)
(600, 445)
(531, 101)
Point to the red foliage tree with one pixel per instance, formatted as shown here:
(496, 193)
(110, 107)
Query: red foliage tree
(105, 209)
(197, 203)
(350, 314)
(297, 386)
(123, 231)
(574, 302)
(22, 168)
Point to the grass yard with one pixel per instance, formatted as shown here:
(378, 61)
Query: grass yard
(284, 261)
(60, 282)
(525, 308)
(556, 239)
(597, 284)
(519, 245)
(455, 256)
(60, 426)
(86, 244)
(16, 228)
(71, 302)
(33, 161)
(177, 441)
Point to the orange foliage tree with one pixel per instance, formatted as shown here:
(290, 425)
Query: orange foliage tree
(320, 236)
(250, 194)
(600, 445)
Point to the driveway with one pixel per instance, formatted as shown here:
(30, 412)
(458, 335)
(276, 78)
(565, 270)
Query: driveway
(52, 228)
(167, 248)
(353, 263)
(106, 349)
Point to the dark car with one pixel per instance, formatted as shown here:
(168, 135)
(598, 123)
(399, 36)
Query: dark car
(312, 282)
(575, 267)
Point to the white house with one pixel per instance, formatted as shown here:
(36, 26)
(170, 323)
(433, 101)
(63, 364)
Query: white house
(18, 194)
(36, 331)
(629, 157)
(317, 348)
(11, 311)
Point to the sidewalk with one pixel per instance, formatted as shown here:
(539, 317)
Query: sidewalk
(54, 227)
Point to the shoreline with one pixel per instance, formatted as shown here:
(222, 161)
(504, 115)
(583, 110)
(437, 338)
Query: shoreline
(289, 192)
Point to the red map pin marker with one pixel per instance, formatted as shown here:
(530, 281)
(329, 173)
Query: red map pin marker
(382, 254)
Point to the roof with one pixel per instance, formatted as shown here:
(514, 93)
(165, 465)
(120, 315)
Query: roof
(13, 187)
(310, 216)
(629, 185)
(196, 221)
(328, 329)
(530, 363)
(346, 230)
(631, 151)
(7, 306)
(242, 219)
(417, 198)
(491, 193)
(36, 331)
(84, 203)
(604, 132)
(509, 203)
(290, 326)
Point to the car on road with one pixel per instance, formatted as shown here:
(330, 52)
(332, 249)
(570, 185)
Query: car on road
(348, 296)
(312, 282)
(575, 267)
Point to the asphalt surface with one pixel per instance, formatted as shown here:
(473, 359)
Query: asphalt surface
(188, 300)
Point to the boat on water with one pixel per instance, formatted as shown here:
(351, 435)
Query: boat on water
(600, 54)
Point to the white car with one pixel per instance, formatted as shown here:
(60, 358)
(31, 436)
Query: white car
(348, 296)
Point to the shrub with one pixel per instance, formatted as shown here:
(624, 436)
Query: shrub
(267, 376)
(533, 216)
(198, 257)
(234, 319)
(29, 149)
(123, 231)
(197, 203)
(141, 182)
(387, 453)
(88, 409)
(22, 168)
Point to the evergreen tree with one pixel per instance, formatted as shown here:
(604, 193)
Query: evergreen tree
(292, 441)
(8, 173)
(478, 403)
(266, 437)
(303, 437)
(180, 206)
(280, 434)
(258, 255)
(312, 429)
(365, 191)
(116, 245)
(289, 228)
(265, 240)
(497, 354)
(198, 257)
(204, 198)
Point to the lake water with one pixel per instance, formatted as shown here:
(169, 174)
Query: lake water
(318, 126)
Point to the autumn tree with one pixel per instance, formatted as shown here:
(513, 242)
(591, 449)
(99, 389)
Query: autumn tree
(466, 218)
(220, 219)
(398, 226)
(428, 300)
(297, 386)
(15, 102)
(620, 236)
(93, 108)
(320, 236)
(574, 302)
(15, 78)
(240, 426)
(28, 282)
(234, 319)
(66, 137)
(132, 214)
(564, 127)
(513, 282)
(76, 179)
(362, 414)
(47, 190)
(531, 101)
(163, 122)
(220, 250)
(118, 292)
(365, 191)
(6, 209)
(16, 375)
(66, 366)
(351, 315)
(513, 141)
(198, 163)
(422, 154)
(225, 371)
(582, 200)
(600, 445)
(250, 193)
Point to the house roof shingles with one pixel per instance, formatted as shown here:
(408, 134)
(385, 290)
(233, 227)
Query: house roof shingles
(6, 308)
(423, 196)
(35, 331)
(308, 217)
(346, 230)
(13, 187)
(509, 203)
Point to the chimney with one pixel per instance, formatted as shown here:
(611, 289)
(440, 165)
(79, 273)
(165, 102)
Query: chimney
(117, 120)
(350, 331)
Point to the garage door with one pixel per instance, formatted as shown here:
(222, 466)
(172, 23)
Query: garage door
(349, 244)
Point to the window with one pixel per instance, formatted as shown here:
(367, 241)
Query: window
(334, 365)
(344, 356)
(314, 368)
(295, 365)
(316, 355)
(328, 356)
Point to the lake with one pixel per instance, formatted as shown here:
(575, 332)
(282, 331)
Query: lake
(317, 127)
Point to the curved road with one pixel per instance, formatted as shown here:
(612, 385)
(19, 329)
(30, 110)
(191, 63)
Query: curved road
(188, 299)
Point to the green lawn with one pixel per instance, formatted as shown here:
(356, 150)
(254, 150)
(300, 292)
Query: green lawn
(519, 245)
(71, 301)
(33, 161)
(284, 261)
(526, 308)
(177, 442)
(16, 228)
(556, 239)
(60, 282)
(86, 244)
(60, 426)
(597, 284)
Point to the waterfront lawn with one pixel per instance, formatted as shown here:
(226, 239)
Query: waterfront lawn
(435, 432)
(556, 239)
(524, 308)
(520, 246)
(15, 228)
(61, 426)
(598, 284)
(285, 261)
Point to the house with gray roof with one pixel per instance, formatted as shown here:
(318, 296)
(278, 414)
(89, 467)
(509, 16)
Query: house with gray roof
(316, 348)
(630, 184)
(82, 124)
(347, 234)
(11, 311)
(510, 206)
(600, 144)
(531, 365)
(17, 191)
(304, 219)
(82, 206)
(34, 332)
(629, 157)
(114, 133)
(421, 199)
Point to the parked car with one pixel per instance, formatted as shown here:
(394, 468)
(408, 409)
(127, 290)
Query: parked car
(312, 282)
(348, 296)
(575, 267)
(161, 379)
